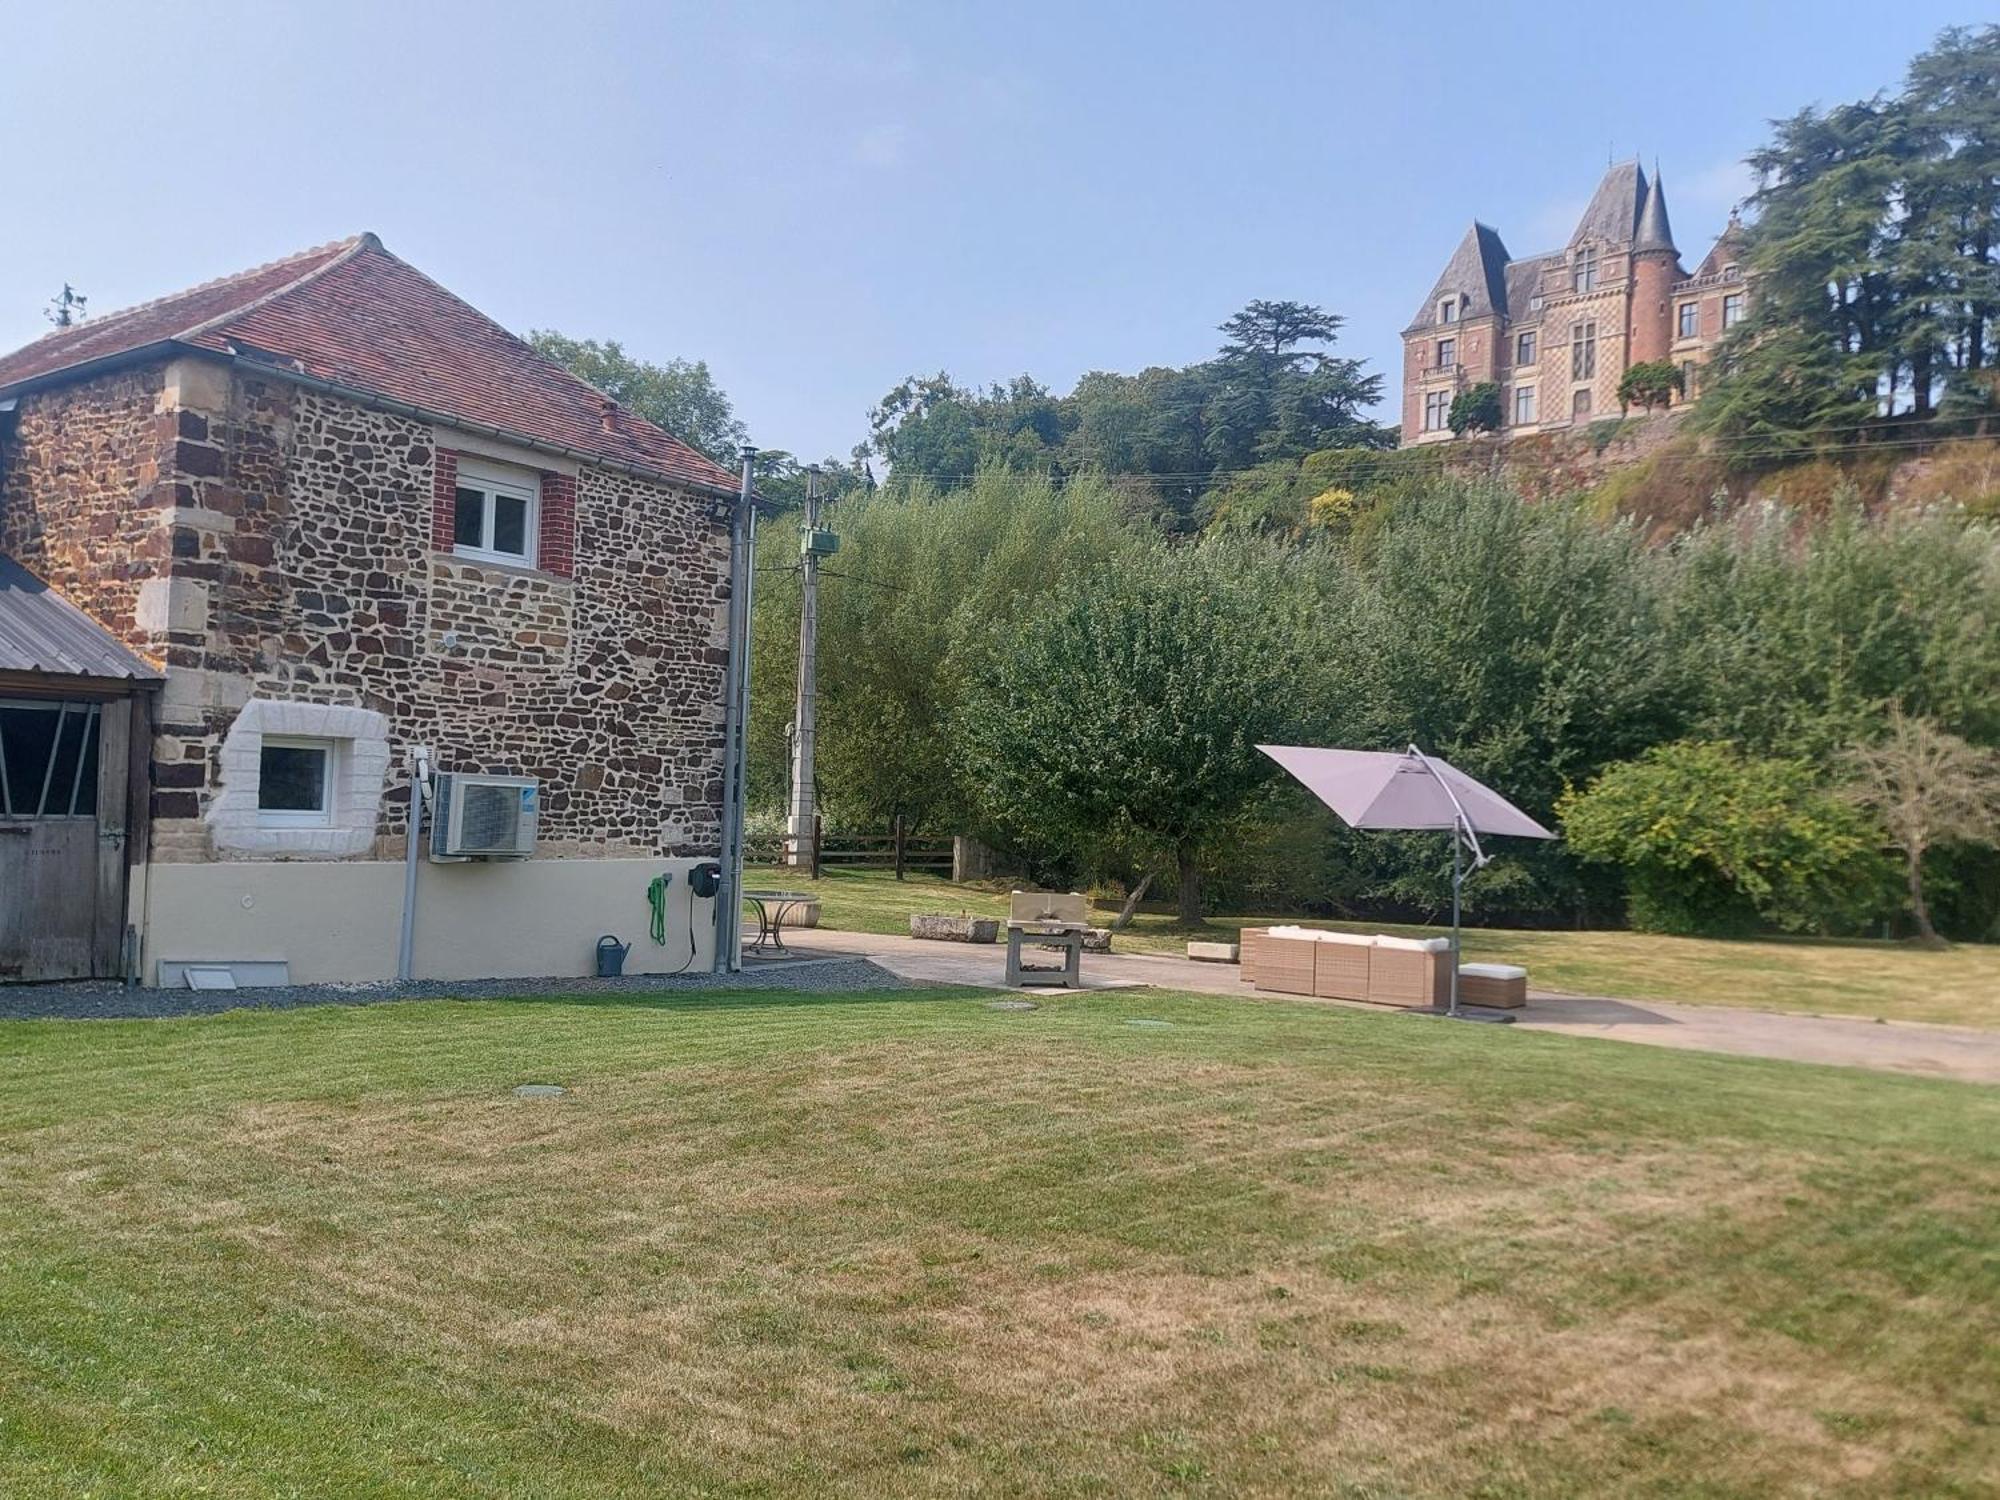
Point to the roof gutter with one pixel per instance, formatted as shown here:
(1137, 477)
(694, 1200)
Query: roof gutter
(462, 424)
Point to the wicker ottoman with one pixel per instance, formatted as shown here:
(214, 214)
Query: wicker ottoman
(1497, 986)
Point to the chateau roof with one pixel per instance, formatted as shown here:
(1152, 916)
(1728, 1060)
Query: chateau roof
(1612, 216)
(355, 316)
(1476, 272)
(1654, 232)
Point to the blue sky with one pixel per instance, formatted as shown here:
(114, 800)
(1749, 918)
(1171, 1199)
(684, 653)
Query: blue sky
(819, 199)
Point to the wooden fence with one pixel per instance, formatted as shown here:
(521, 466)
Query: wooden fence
(897, 850)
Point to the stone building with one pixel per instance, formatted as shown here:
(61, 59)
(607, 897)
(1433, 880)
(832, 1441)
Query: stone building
(1557, 331)
(338, 514)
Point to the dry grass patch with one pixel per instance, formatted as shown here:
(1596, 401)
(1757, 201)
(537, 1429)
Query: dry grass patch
(911, 1246)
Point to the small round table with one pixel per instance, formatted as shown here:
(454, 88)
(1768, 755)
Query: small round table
(772, 909)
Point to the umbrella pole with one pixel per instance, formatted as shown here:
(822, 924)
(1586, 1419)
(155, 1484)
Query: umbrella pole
(1457, 880)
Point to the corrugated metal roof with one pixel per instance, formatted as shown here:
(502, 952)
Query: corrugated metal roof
(41, 631)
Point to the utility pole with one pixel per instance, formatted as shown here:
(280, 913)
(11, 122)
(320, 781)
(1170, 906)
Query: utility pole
(802, 810)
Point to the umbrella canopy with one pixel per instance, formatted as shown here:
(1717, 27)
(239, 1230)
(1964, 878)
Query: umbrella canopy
(1387, 789)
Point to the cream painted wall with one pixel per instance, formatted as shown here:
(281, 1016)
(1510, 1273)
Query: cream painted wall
(340, 920)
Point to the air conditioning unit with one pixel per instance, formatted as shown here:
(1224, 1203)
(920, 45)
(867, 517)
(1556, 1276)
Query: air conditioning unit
(483, 817)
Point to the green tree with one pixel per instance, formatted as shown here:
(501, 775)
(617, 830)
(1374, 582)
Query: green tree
(1133, 702)
(1714, 841)
(680, 396)
(1650, 383)
(1874, 259)
(1476, 409)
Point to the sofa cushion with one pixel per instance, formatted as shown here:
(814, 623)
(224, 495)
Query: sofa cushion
(1414, 945)
(1493, 971)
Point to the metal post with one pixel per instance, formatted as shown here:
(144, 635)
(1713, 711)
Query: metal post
(1457, 881)
(800, 814)
(736, 702)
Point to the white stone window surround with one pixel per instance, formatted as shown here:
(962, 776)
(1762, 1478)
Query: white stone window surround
(494, 481)
(360, 738)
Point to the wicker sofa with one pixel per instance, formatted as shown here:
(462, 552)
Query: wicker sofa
(1412, 972)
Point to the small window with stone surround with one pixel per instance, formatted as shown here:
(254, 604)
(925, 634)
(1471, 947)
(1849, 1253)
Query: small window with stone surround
(1524, 348)
(300, 780)
(494, 513)
(1448, 310)
(1732, 309)
(1690, 323)
(1447, 353)
(1524, 406)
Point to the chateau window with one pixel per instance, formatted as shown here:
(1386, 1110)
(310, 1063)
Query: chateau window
(1535, 303)
(1579, 404)
(1732, 309)
(1524, 348)
(1437, 411)
(1582, 351)
(493, 515)
(1583, 275)
(1524, 406)
(1447, 353)
(295, 783)
(1687, 379)
(1729, 269)
(1448, 310)
(1690, 324)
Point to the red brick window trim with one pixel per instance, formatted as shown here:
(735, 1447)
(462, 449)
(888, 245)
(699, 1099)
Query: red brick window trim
(556, 545)
(444, 500)
(555, 515)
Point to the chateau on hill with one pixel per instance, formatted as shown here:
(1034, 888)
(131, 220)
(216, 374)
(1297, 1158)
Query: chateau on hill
(1557, 330)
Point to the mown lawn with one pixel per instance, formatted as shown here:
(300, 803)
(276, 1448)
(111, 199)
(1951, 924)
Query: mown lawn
(907, 1244)
(1891, 981)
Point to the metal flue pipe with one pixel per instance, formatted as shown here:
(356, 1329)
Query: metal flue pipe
(735, 736)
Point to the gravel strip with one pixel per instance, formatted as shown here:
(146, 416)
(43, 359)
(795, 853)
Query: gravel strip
(101, 1000)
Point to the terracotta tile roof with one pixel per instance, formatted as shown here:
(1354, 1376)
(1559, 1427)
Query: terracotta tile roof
(355, 315)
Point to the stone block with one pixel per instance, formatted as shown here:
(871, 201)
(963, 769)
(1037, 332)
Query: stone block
(1213, 953)
(945, 927)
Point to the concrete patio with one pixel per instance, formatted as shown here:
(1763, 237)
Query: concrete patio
(1956, 1052)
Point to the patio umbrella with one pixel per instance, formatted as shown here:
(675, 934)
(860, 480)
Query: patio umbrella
(1385, 790)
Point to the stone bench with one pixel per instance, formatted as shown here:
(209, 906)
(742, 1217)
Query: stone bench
(945, 927)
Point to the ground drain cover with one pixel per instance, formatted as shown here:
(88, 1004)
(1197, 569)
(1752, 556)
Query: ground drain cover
(1012, 1005)
(1145, 1025)
(540, 1091)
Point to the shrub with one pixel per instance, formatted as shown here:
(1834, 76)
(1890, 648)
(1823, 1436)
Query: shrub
(1650, 383)
(1714, 841)
(1476, 409)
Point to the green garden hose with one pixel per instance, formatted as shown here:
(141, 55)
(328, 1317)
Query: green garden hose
(656, 897)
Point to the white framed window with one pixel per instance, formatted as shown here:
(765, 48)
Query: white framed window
(1535, 302)
(295, 782)
(1524, 406)
(495, 513)
(1448, 310)
(1690, 323)
(1437, 411)
(1732, 309)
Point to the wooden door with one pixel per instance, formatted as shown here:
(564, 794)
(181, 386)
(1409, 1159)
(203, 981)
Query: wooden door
(63, 779)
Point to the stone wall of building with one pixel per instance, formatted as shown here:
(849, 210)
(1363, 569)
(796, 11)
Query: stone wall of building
(288, 545)
(82, 497)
